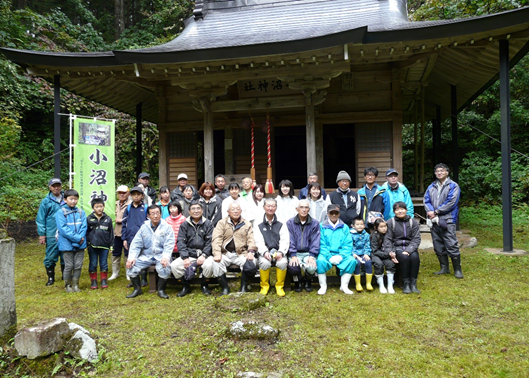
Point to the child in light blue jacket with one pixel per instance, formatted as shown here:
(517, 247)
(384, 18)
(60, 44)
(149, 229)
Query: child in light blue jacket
(71, 229)
(362, 253)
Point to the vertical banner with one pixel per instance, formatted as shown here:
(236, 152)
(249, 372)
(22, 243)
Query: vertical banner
(94, 163)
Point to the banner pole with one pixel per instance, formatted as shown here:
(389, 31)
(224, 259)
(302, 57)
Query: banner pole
(70, 171)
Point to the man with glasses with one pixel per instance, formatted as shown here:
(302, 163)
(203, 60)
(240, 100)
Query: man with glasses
(441, 203)
(396, 192)
(374, 196)
(152, 245)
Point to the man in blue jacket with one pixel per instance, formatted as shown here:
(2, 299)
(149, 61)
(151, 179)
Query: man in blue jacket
(441, 203)
(47, 227)
(396, 192)
(374, 196)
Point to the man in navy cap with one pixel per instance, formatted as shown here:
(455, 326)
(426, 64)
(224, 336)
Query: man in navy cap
(144, 179)
(47, 227)
(396, 192)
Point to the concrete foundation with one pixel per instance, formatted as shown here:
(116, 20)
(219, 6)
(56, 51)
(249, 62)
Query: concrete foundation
(8, 312)
(499, 251)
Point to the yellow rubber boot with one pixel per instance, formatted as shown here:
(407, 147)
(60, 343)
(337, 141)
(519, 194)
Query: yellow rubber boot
(265, 281)
(358, 280)
(280, 282)
(369, 277)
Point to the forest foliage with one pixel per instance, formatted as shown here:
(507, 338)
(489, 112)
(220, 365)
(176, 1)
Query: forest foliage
(26, 103)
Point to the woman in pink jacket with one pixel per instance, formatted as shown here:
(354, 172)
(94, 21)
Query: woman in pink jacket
(175, 220)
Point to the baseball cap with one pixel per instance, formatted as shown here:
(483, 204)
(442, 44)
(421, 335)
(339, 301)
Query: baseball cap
(54, 181)
(390, 171)
(123, 188)
(136, 189)
(333, 207)
(143, 175)
(182, 176)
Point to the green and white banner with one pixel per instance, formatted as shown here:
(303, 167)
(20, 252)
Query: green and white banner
(94, 162)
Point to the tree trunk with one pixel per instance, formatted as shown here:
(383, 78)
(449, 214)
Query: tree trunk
(119, 18)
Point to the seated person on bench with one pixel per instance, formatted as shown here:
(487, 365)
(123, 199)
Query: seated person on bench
(233, 243)
(272, 240)
(152, 245)
(194, 246)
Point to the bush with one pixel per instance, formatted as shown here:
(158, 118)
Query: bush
(20, 204)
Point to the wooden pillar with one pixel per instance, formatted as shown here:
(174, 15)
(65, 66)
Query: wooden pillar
(310, 124)
(209, 168)
(416, 147)
(397, 123)
(455, 147)
(228, 150)
(505, 112)
(319, 152)
(163, 166)
(423, 154)
(139, 160)
(57, 124)
(437, 136)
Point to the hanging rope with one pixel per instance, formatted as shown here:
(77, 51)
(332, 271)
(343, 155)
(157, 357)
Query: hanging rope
(252, 170)
(29, 166)
(269, 187)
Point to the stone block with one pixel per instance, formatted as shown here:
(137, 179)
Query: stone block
(42, 339)
(251, 329)
(236, 302)
(82, 346)
(8, 312)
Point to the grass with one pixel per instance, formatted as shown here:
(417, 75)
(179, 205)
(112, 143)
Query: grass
(475, 327)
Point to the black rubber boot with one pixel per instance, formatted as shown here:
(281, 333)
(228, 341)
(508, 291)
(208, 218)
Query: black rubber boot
(456, 263)
(406, 288)
(298, 285)
(204, 287)
(414, 286)
(308, 282)
(143, 276)
(445, 267)
(244, 283)
(50, 271)
(186, 289)
(223, 282)
(136, 284)
(162, 284)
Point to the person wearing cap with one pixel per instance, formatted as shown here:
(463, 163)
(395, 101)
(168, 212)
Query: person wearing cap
(272, 240)
(347, 199)
(122, 203)
(233, 243)
(374, 196)
(396, 192)
(304, 246)
(178, 192)
(336, 246)
(441, 203)
(152, 245)
(194, 246)
(47, 227)
(134, 217)
(144, 179)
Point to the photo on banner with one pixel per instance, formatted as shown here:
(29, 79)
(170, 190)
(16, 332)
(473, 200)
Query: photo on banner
(94, 163)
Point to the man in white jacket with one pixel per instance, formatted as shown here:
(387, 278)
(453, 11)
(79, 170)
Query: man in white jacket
(152, 245)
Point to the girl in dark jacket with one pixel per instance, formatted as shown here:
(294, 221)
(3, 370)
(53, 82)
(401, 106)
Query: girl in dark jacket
(380, 258)
(402, 241)
(210, 202)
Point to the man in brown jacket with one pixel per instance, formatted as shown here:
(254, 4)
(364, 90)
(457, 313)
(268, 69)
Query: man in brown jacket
(233, 243)
(121, 204)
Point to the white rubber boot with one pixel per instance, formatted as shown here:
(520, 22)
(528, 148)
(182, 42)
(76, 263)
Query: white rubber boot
(116, 264)
(345, 283)
(381, 287)
(322, 278)
(390, 283)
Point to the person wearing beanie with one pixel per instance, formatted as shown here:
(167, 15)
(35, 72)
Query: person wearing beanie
(349, 201)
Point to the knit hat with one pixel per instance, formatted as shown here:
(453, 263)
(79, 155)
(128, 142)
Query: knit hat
(343, 175)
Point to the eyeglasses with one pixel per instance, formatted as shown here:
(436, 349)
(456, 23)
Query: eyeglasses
(334, 213)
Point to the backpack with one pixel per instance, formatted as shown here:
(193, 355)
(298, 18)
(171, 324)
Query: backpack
(130, 204)
(393, 223)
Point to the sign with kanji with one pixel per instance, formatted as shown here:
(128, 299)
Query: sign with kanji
(94, 163)
(263, 87)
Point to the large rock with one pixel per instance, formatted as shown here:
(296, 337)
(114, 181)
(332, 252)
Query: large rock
(251, 329)
(8, 311)
(43, 339)
(82, 346)
(236, 302)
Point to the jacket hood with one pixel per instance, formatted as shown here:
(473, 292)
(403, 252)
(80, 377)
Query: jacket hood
(327, 224)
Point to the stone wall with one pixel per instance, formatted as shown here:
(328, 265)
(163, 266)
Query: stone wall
(8, 313)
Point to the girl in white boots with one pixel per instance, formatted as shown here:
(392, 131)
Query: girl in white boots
(381, 259)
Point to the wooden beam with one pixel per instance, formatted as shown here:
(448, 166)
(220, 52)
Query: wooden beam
(260, 103)
(310, 133)
(209, 168)
(319, 151)
(163, 165)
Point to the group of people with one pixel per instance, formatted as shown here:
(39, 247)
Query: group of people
(189, 232)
